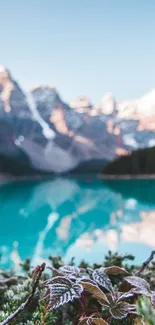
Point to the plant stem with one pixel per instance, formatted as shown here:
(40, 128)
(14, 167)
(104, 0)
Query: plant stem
(38, 272)
(145, 264)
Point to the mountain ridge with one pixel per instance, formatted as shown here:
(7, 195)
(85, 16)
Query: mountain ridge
(58, 137)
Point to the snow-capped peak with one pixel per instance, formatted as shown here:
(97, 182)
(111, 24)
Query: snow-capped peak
(143, 106)
(82, 104)
(42, 86)
(2, 69)
(106, 105)
(107, 97)
(5, 73)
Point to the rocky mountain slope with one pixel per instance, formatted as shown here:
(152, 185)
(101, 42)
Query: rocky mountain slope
(41, 133)
(134, 119)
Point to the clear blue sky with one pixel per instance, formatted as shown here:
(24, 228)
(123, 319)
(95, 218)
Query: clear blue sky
(81, 46)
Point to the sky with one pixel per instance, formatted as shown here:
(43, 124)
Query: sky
(83, 47)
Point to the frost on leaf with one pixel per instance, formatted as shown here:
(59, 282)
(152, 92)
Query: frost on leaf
(115, 270)
(99, 321)
(96, 291)
(153, 299)
(102, 279)
(140, 285)
(61, 291)
(92, 321)
(121, 309)
(124, 295)
(84, 277)
(67, 270)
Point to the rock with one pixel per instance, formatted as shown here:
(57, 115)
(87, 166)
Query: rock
(12, 99)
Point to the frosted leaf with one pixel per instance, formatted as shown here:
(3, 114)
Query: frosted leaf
(115, 270)
(99, 321)
(96, 291)
(153, 298)
(102, 279)
(61, 291)
(90, 271)
(124, 295)
(92, 321)
(141, 285)
(84, 277)
(67, 270)
(121, 309)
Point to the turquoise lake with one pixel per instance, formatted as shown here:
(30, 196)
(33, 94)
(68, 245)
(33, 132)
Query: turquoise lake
(81, 218)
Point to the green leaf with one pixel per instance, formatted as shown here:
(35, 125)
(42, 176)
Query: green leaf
(96, 291)
(102, 279)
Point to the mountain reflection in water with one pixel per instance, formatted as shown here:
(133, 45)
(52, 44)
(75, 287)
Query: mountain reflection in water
(72, 217)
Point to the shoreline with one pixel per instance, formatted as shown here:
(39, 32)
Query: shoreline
(9, 178)
(127, 177)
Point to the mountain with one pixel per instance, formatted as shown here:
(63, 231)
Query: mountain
(82, 105)
(134, 120)
(48, 132)
(138, 108)
(40, 133)
(107, 106)
(137, 119)
(84, 136)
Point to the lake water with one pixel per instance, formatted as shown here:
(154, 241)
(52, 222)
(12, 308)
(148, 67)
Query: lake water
(76, 217)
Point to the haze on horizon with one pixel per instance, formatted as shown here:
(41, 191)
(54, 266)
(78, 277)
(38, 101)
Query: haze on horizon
(83, 47)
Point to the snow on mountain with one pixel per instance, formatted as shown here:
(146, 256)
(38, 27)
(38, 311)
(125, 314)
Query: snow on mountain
(77, 129)
(106, 106)
(143, 106)
(12, 97)
(57, 137)
(46, 130)
(82, 105)
(125, 109)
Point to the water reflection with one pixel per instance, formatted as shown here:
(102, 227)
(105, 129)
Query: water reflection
(82, 218)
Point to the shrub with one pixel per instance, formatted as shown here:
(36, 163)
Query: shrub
(111, 293)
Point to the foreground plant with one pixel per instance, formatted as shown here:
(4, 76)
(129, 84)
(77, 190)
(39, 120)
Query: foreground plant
(75, 283)
(101, 295)
(146, 311)
(36, 277)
